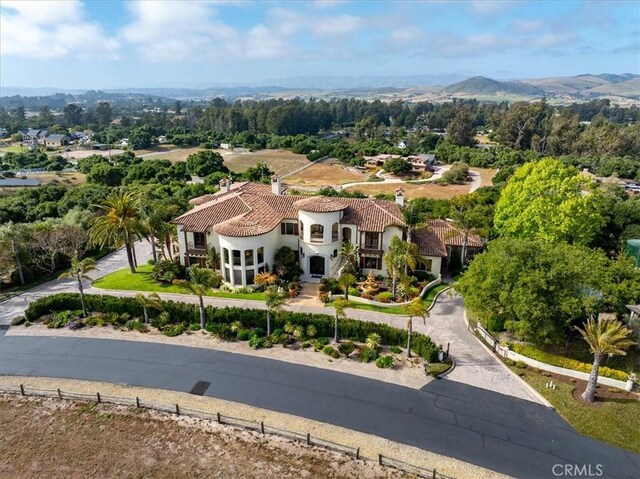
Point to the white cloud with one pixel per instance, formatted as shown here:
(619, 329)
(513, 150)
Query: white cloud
(182, 31)
(53, 29)
(526, 26)
(338, 25)
(490, 7)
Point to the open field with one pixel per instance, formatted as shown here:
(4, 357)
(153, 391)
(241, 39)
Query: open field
(486, 175)
(168, 152)
(613, 418)
(64, 439)
(64, 179)
(81, 154)
(279, 161)
(325, 174)
(411, 191)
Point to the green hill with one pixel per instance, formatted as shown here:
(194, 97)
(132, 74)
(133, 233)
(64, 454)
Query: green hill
(486, 86)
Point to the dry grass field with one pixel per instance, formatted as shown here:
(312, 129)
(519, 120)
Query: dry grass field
(413, 191)
(279, 161)
(63, 179)
(171, 153)
(486, 175)
(325, 174)
(62, 439)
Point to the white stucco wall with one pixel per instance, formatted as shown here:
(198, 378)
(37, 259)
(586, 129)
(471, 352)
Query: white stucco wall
(269, 241)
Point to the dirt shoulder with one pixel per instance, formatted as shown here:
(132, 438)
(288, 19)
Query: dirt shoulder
(51, 438)
(404, 373)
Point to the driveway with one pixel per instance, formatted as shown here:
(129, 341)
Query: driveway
(510, 435)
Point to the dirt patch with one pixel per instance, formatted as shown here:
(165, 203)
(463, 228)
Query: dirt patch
(278, 161)
(325, 174)
(486, 175)
(81, 154)
(172, 154)
(427, 190)
(52, 438)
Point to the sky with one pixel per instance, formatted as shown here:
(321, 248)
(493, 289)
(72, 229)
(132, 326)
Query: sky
(116, 44)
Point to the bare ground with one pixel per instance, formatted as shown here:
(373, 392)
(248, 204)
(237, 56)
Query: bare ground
(325, 173)
(64, 439)
(278, 161)
(411, 191)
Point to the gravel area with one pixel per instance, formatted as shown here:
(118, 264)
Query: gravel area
(369, 445)
(405, 373)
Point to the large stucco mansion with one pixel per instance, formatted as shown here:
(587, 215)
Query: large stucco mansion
(247, 222)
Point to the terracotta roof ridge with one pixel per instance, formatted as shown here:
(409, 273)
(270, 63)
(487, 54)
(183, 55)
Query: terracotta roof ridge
(387, 211)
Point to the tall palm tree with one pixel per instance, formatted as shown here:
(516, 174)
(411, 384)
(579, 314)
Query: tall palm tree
(415, 309)
(199, 282)
(78, 271)
(399, 258)
(273, 299)
(350, 251)
(340, 305)
(414, 220)
(604, 337)
(120, 224)
(469, 218)
(151, 301)
(345, 281)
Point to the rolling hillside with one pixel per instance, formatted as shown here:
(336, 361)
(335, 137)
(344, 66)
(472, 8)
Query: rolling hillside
(486, 86)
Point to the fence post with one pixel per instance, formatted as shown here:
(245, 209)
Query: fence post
(98, 396)
(380, 459)
(358, 453)
(177, 409)
(262, 427)
(59, 394)
(137, 402)
(219, 418)
(308, 439)
(434, 474)
(22, 389)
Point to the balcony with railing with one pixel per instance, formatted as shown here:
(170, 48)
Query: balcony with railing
(197, 248)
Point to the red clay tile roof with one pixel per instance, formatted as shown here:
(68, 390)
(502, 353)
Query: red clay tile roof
(320, 204)
(429, 243)
(250, 209)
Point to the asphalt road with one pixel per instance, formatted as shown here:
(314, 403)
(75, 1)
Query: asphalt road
(510, 435)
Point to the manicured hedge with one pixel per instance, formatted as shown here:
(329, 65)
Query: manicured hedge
(568, 363)
(252, 318)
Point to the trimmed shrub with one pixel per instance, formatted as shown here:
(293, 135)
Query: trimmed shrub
(220, 331)
(346, 348)
(384, 362)
(367, 355)
(194, 327)
(561, 361)
(244, 334)
(395, 349)
(166, 271)
(385, 297)
(172, 330)
(328, 349)
(256, 342)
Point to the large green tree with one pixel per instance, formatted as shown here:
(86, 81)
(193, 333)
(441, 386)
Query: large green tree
(206, 162)
(538, 289)
(548, 200)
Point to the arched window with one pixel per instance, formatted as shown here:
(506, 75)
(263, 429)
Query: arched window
(334, 232)
(317, 233)
(346, 235)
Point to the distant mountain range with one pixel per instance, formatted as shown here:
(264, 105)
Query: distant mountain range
(627, 85)
(411, 87)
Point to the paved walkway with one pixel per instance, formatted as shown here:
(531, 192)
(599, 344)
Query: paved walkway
(475, 365)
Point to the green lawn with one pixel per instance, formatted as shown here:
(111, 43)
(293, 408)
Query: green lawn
(13, 149)
(428, 299)
(142, 281)
(612, 420)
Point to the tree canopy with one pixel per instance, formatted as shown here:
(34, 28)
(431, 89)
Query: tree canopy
(549, 200)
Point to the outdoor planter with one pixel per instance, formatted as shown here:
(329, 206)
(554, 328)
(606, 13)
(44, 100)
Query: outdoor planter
(629, 386)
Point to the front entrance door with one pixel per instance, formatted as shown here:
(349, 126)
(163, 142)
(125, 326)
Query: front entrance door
(316, 265)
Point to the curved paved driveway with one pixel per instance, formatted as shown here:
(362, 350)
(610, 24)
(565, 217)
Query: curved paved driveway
(500, 432)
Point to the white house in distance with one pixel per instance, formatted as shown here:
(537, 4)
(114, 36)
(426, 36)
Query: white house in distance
(247, 222)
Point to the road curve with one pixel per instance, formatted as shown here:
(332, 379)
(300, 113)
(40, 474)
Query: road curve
(499, 432)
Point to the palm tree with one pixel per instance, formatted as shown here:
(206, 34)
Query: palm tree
(340, 305)
(604, 337)
(350, 251)
(469, 218)
(199, 282)
(413, 219)
(345, 281)
(119, 225)
(150, 301)
(400, 257)
(273, 299)
(415, 309)
(78, 271)
(265, 278)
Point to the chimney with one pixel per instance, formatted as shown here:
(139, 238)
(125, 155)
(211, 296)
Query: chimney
(225, 185)
(400, 197)
(276, 185)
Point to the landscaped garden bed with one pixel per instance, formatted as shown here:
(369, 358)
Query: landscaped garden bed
(290, 329)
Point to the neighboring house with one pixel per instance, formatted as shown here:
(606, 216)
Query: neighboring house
(35, 138)
(421, 163)
(402, 145)
(247, 222)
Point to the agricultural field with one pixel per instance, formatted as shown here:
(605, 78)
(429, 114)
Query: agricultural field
(411, 191)
(279, 161)
(325, 174)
